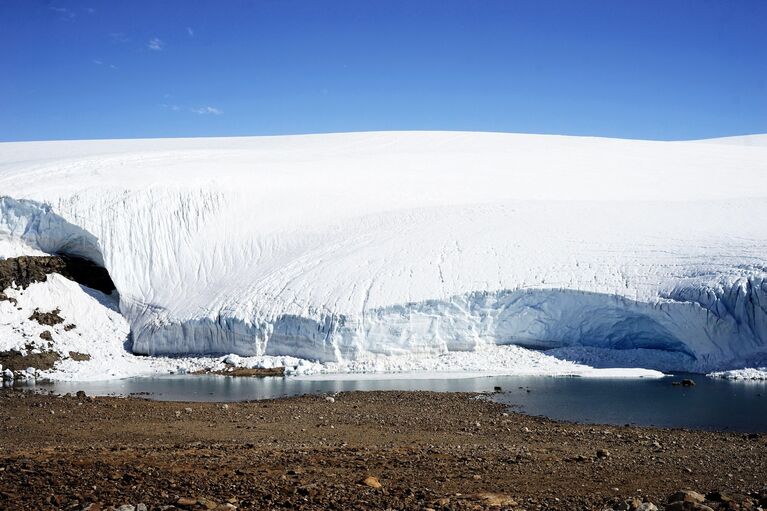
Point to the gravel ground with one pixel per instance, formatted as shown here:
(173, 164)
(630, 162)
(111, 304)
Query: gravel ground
(359, 450)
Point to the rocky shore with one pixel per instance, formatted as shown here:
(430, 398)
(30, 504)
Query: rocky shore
(361, 450)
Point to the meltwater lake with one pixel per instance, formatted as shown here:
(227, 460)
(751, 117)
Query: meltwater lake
(712, 404)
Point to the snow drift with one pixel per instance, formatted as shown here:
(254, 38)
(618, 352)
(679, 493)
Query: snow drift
(339, 247)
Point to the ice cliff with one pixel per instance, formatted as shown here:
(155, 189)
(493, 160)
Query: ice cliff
(338, 247)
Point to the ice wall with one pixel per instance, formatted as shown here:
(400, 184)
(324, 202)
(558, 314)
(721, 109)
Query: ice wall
(344, 246)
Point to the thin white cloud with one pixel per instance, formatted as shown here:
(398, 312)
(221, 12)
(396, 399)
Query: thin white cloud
(205, 110)
(66, 14)
(155, 44)
(102, 63)
(119, 37)
(89, 10)
(190, 31)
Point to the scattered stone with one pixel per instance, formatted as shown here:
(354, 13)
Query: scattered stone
(126, 507)
(47, 318)
(496, 500)
(186, 502)
(372, 482)
(46, 335)
(603, 453)
(6, 298)
(188, 410)
(141, 507)
(79, 357)
(686, 496)
(81, 394)
(69, 327)
(330, 399)
(207, 503)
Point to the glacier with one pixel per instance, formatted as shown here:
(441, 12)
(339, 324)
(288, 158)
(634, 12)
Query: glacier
(341, 247)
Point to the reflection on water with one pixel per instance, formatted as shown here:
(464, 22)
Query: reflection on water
(711, 404)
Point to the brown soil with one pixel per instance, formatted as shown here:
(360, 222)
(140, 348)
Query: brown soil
(426, 450)
(79, 357)
(16, 361)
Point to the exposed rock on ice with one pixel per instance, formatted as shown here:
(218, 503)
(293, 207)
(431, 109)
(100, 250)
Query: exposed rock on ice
(344, 248)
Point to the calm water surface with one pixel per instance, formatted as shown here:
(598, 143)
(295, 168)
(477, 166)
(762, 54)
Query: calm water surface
(710, 404)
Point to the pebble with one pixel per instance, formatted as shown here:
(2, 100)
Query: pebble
(372, 482)
(330, 399)
(686, 496)
(186, 502)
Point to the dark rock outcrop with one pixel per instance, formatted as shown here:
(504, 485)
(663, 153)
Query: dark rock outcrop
(28, 269)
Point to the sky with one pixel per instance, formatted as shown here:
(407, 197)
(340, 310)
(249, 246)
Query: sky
(650, 69)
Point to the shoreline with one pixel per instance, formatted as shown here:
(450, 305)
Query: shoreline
(426, 449)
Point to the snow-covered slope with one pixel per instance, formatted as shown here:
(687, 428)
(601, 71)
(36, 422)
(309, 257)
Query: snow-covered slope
(339, 247)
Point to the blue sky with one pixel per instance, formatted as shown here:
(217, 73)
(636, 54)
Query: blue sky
(666, 69)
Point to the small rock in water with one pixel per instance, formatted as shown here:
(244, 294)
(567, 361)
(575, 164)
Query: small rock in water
(688, 383)
(497, 389)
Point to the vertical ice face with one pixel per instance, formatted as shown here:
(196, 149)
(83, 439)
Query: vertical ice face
(337, 247)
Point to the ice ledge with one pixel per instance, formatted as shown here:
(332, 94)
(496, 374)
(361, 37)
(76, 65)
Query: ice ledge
(721, 328)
